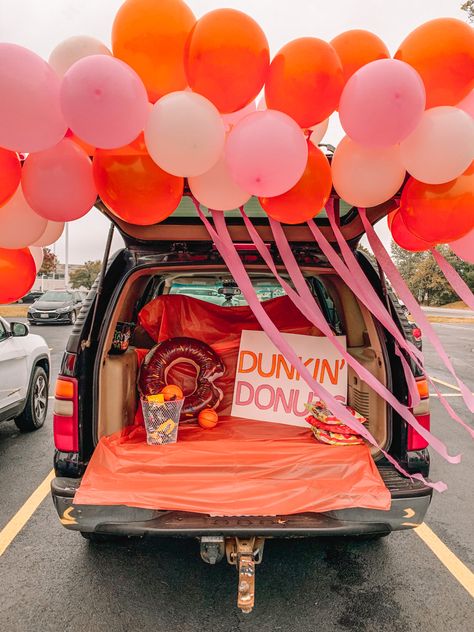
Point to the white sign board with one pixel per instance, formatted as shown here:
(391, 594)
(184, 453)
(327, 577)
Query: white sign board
(268, 388)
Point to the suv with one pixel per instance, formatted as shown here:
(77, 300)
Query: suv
(24, 376)
(56, 306)
(96, 394)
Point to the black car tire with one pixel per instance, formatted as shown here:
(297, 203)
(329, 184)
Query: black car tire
(34, 414)
(72, 317)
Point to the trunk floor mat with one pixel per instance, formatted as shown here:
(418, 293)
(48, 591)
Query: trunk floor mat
(239, 468)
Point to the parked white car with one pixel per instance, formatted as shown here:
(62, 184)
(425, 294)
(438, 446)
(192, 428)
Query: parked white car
(24, 376)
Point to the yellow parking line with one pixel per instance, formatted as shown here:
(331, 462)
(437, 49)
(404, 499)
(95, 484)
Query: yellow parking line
(16, 524)
(454, 565)
(435, 379)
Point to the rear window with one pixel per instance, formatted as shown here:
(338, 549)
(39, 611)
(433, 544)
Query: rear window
(252, 209)
(225, 293)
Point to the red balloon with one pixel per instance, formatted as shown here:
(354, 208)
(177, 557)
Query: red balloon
(133, 187)
(227, 58)
(357, 48)
(308, 197)
(402, 236)
(442, 51)
(439, 213)
(305, 81)
(17, 274)
(10, 170)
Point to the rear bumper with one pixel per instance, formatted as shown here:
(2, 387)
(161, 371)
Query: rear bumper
(410, 502)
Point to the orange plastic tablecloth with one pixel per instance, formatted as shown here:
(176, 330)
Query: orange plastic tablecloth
(241, 467)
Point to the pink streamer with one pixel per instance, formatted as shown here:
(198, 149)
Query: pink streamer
(453, 278)
(354, 277)
(307, 304)
(402, 289)
(228, 252)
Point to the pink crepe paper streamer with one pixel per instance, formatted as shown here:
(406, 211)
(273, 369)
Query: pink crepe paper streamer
(402, 289)
(453, 278)
(308, 306)
(354, 277)
(228, 252)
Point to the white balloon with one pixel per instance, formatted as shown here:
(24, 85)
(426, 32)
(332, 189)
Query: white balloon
(318, 132)
(38, 255)
(442, 146)
(20, 226)
(52, 233)
(217, 190)
(74, 48)
(185, 134)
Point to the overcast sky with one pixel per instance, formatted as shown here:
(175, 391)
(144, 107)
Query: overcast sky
(41, 24)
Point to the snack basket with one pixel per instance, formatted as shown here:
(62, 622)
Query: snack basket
(161, 421)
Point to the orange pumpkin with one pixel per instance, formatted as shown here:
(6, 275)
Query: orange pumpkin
(171, 391)
(208, 418)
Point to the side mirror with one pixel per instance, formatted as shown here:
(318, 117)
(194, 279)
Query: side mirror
(19, 330)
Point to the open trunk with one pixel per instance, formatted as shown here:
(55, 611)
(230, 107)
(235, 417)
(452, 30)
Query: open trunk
(258, 454)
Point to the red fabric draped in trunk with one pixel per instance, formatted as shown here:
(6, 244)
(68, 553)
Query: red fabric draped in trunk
(241, 467)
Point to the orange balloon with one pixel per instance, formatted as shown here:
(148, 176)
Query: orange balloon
(208, 418)
(439, 213)
(357, 48)
(442, 51)
(305, 81)
(307, 198)
(402, 236)
(227, 58)
(133, 187)
(171, 391)
(10, 170)
(17, 274)
(150, 36)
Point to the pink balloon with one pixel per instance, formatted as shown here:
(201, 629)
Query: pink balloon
(382, 103)
(20, 225)
(266, 153)
(217, 190)
(185, 134)
(467, 104)
(365, 176)
(230, 120)
(53, 232)
(30, 112)
(442, 146)
(38, 256)
(58, 183)
(104, 101)
(464, 247)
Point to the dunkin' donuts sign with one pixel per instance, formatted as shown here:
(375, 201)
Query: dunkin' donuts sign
(268, 388)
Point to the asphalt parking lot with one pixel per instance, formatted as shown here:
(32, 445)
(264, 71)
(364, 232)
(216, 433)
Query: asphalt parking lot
(52, 579)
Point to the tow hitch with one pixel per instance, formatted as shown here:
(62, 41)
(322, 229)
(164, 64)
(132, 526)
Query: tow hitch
(244, 554)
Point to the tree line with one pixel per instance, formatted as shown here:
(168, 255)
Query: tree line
(424, 278)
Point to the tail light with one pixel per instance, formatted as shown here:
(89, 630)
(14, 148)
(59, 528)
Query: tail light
(65, 419)
(422, 414)
(417, 334)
